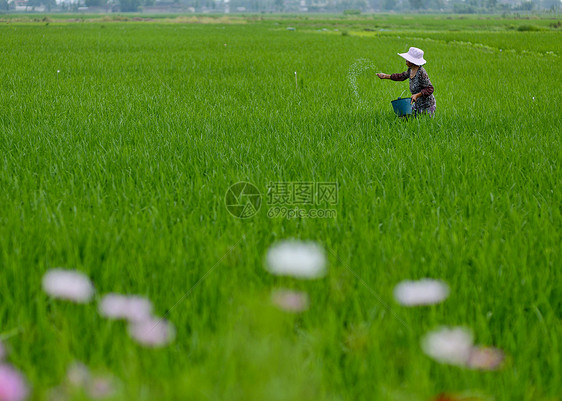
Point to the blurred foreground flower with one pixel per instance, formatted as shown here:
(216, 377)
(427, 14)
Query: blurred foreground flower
(290, 301)
(101, 387)
(128, 307)
(422, 292)
(304, 260)
(78, 374)
(68, 284)
(448, 345)
(152, 332)
(82, 381)
(12, 384)
(485, 358)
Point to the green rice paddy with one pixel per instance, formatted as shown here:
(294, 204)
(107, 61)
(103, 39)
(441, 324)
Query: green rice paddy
(120, 139)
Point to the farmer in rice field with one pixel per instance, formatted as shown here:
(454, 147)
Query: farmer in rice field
(420, 85)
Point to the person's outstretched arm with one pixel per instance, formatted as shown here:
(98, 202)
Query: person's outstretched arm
(402, 76)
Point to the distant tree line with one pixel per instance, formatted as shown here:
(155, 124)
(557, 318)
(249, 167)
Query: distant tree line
(347, 6)
(124, 5)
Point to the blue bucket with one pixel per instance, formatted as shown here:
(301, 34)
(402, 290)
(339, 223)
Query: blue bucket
(402, 107)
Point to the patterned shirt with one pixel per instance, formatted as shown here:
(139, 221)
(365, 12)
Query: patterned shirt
(419, 84)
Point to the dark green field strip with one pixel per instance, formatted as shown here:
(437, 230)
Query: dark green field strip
(439, 22)
(541, 43)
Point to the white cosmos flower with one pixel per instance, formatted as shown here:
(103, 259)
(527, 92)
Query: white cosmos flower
(449, 345)
(68, 284)
(305, 260)
(422, 292)
(152, 332)
(290, 301)
(128, 307)
(78, 374)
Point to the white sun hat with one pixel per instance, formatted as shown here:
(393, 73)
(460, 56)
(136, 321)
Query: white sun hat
(414, 56)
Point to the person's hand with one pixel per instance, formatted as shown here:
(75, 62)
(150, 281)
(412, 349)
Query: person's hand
(383, 76)
(415, 97)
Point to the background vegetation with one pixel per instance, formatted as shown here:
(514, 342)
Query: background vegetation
(283, 6)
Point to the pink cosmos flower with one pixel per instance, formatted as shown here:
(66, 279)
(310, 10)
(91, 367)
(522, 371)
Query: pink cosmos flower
(128, 307)
(101, 387)
(290, 301)
(12, 384)
(485, 358)
(152, 332)
(68, 284)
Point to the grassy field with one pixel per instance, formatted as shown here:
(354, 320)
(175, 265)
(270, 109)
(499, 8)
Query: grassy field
(119, 140)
